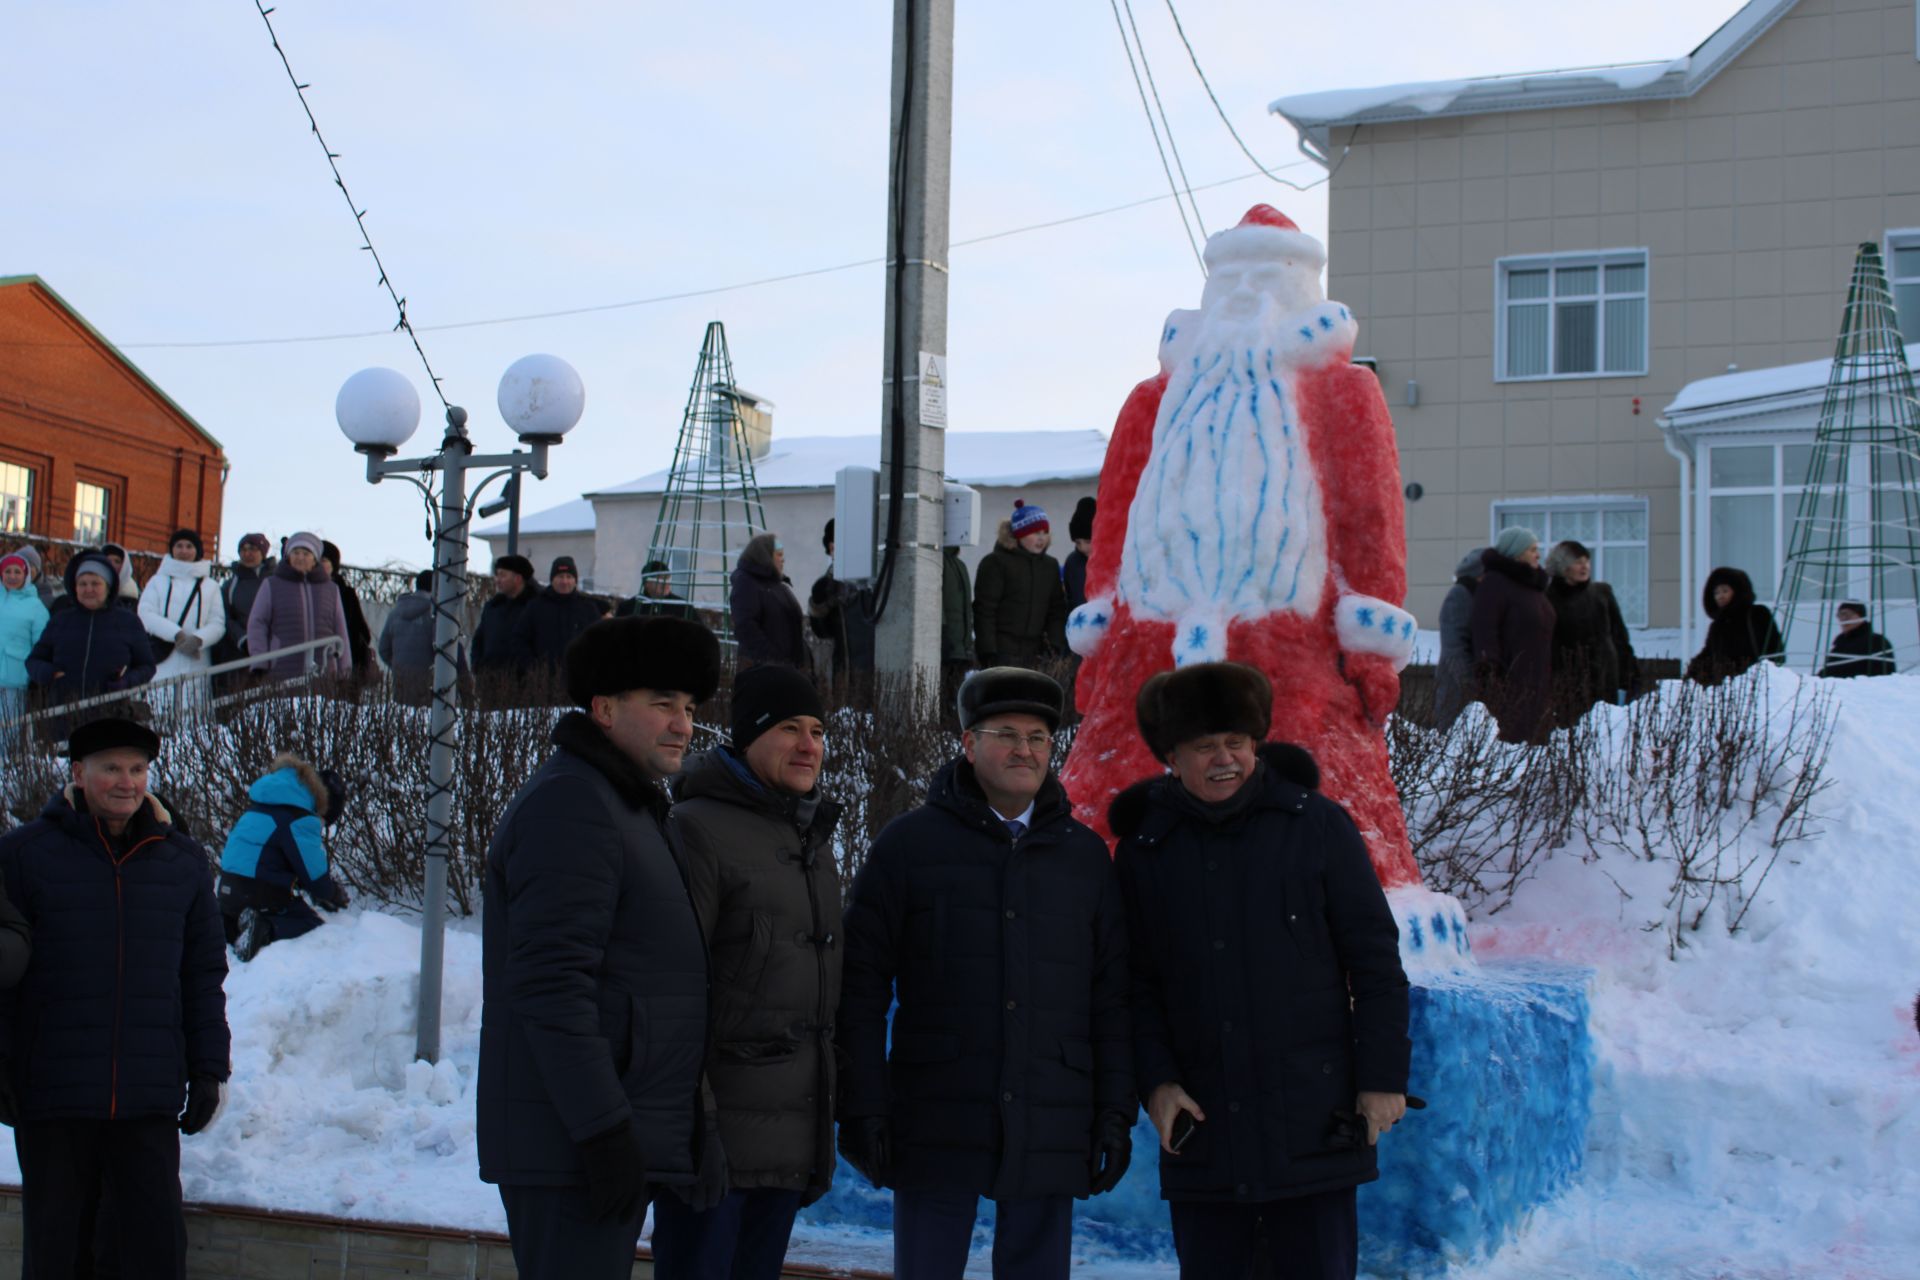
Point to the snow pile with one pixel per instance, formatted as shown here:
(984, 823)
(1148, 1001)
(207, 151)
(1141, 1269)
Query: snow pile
(1755, 1113)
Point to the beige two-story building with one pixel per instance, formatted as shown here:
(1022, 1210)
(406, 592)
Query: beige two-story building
(1543, 263)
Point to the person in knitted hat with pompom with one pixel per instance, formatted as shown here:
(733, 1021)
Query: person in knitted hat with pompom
(1019, 605)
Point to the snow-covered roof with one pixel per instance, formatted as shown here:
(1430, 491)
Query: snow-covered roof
(1754, 391)
(973, 457)
(1314, 114)
(568, 517)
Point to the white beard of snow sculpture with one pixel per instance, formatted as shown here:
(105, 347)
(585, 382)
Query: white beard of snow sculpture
(1227, 521)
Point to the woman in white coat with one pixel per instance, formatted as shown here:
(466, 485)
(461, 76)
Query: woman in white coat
(181, 606)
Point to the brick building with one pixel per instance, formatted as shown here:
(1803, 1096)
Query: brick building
(90, 449)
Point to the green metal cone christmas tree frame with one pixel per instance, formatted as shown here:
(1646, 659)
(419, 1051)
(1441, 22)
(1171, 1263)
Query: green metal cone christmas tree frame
(711, 506)
(1856, 536)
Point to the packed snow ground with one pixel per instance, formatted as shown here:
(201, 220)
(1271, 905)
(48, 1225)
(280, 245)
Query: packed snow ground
(1757, 1112)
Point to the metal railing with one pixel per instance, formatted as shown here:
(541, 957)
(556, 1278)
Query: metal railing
(174, 706)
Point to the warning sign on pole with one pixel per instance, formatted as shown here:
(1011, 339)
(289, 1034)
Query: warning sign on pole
(933, 390)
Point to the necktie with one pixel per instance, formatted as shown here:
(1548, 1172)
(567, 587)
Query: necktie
(1015, 827)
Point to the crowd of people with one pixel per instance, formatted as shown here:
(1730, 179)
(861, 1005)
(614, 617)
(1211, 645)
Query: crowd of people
(678, 1014)
(1540, 641)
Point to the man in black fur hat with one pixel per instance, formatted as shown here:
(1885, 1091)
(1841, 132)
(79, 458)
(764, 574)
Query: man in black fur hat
(994, 918)
(594, 1027)
(1269, 1005)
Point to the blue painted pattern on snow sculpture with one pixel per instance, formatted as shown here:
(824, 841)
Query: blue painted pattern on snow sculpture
(1502, 1055)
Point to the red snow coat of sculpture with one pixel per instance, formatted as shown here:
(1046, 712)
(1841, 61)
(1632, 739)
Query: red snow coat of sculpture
(1331, 702)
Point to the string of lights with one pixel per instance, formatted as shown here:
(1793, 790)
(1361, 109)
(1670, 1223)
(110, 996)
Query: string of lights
(403, 324)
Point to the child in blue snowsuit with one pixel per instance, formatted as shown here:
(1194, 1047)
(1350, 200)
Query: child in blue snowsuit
(277, 848)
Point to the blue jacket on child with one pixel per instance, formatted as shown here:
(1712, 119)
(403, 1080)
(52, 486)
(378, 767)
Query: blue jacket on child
(277, 844)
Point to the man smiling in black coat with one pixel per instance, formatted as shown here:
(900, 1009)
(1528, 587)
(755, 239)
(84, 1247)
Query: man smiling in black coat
(1269, 1005)
(115, 1043)
(995, 919)
(594, 1023)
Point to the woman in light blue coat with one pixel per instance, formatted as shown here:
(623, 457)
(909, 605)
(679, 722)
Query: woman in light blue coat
(22, 618)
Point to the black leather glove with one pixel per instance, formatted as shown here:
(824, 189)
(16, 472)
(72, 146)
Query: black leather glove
(203, 1100)
(1112, 1153)
(9, 1105)
(867, 1143)
(616, 1174)
(710, 1182)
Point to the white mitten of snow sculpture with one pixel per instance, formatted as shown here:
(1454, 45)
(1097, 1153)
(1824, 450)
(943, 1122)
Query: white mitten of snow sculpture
(1087, 626)
(1367, 625)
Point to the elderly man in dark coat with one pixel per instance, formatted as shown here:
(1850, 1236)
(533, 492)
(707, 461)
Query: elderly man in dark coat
(994, 919)
(594, 1022)
(115, 1043)
(1269, 1005)
(758, 838)
(1513, 637)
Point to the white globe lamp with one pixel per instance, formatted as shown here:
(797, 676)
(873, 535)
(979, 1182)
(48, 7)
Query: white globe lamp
(378, 410)
(541, 398)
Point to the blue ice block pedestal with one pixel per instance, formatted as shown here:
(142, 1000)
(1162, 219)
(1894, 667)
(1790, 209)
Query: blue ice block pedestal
(1502, 1055)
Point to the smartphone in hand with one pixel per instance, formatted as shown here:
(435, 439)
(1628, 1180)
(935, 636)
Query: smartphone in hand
(1183, 1126)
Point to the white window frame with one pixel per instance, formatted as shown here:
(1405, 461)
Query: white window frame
(1600, 258)
(1786, 500)
(1901, 238)
(104, 516)
(1599, 503)
(16, 509)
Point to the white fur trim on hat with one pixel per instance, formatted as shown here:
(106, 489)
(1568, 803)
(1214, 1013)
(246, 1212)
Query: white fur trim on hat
(1256, 243)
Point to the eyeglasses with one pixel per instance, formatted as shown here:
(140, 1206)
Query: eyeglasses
(1038, 743)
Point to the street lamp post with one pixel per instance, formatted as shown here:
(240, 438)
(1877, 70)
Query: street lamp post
(541, 398)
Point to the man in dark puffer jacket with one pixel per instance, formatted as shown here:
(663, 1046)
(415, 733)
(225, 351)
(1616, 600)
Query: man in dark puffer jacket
(594, 1023)
(549, 623)
(1269, 1004)
(758, 838)
(122, 1003)
(996, 919)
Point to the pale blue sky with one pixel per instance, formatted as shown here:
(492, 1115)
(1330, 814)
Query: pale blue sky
(530, 157)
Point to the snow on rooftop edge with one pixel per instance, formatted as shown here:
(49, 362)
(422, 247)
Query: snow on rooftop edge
(1428, 97)
(1759, 384)
(973, 457)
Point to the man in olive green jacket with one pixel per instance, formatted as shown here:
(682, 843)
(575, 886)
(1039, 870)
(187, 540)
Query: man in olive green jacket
(758, 838)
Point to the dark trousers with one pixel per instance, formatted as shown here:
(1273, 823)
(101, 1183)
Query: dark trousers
(1308, 1238)
(554, 1238)
(63, 1167)
(744, 1237)
(294, 920)
(1032, 1237)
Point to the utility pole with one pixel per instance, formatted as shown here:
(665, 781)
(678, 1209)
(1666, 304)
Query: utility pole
(913, 411)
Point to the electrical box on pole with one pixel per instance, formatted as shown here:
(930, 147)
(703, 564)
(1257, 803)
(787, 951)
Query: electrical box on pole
(962, 525)
(856, 519)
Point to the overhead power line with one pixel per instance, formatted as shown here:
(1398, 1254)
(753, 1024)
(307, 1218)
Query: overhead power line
(1154, 129)
(1215, 99)
(657, 299)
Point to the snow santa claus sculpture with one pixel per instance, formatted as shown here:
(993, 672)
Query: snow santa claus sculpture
(1250, 510)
